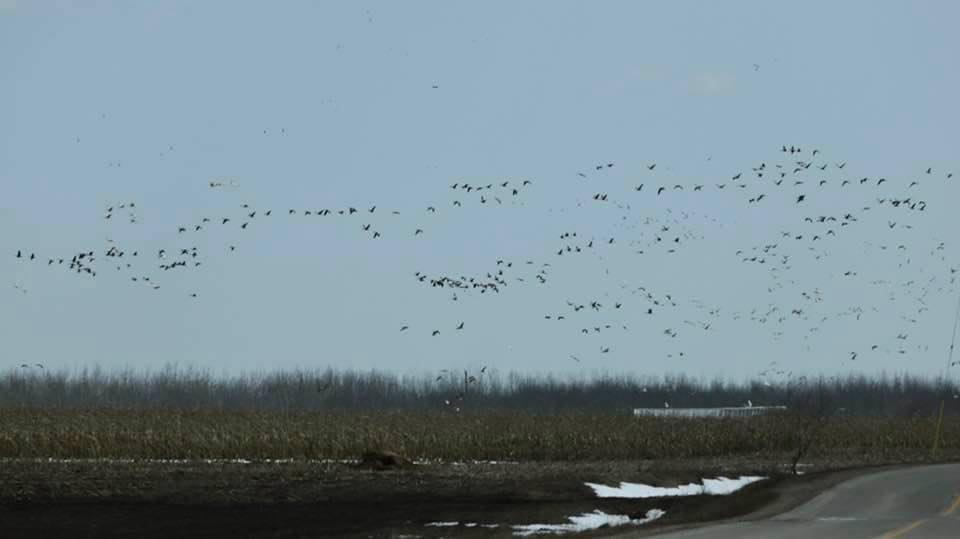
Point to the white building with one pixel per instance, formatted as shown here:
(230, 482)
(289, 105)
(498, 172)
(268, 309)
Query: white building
(731, 411)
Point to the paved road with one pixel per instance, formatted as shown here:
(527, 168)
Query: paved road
(914, 503)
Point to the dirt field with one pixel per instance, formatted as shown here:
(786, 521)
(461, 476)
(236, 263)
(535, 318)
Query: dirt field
(304, 499)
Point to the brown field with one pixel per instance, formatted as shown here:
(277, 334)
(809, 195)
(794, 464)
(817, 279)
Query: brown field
(319, 492)
(309, 499)
(177, 434)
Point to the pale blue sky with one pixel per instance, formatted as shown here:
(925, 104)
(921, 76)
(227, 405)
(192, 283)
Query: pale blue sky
(93, 96)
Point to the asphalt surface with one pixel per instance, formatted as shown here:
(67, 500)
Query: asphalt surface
(918, 502)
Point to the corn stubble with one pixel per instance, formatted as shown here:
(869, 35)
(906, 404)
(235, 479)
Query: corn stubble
(487, 435)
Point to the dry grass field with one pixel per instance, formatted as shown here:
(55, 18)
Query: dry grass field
(445, 436)
(275, 455)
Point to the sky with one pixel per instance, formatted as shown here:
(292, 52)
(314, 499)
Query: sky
(314, 105)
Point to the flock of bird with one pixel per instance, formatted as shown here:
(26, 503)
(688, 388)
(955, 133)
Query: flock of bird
(803, 179)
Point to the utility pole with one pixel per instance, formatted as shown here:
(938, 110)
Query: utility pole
(953, 340)
(936, 439)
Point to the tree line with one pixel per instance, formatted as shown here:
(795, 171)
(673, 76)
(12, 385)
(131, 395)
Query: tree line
(900, 395)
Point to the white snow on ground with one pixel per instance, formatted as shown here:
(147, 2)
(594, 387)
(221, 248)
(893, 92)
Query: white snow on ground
(586, 522)
(718, 486)
(465, 524)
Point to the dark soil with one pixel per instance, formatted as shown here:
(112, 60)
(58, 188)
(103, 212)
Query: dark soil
(99, 499)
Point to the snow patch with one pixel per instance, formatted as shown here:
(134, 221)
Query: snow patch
(715, 487)
(441, 524)
(586, 522)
